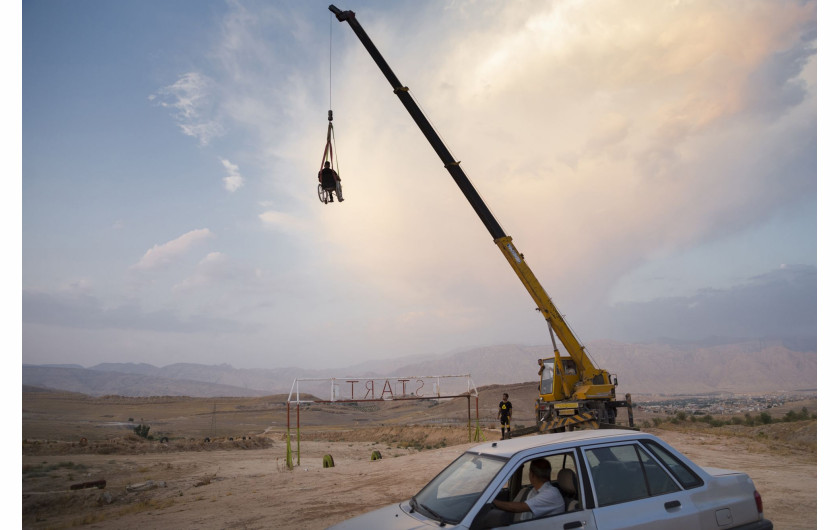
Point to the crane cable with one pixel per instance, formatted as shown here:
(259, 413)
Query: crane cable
(332, 147)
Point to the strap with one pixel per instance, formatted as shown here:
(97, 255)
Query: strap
(331, 148)
(328, 148)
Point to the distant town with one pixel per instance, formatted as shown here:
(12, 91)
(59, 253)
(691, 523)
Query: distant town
(723, 404)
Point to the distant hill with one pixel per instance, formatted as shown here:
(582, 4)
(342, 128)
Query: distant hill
(660, 368)
(750, 366)
(99, 383)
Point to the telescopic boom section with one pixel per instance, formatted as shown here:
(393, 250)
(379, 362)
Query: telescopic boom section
(503, 241)
(437, 144)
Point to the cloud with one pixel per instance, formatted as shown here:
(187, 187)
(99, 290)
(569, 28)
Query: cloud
(162, 255)
(82, 311)
(234, 180)
(190, 99)
(214, 268)
(284, 222)
(781, 304)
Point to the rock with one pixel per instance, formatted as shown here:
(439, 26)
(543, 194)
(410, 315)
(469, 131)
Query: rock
(143, 486)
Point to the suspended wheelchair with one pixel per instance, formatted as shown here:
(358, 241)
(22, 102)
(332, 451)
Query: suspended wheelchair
(325, 194)
(331, 182)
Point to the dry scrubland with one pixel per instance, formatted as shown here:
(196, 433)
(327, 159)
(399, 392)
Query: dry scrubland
(238, 478)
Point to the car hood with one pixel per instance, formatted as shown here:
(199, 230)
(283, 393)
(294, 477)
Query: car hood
(391, 517)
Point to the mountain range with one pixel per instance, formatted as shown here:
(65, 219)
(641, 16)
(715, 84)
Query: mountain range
(656, 368)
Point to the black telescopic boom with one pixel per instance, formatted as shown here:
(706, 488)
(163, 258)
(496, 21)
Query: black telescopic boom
(413, 109)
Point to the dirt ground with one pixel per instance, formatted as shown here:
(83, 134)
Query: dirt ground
(239, 488)
(241, 481)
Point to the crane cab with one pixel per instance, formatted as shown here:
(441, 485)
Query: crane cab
(558, 378)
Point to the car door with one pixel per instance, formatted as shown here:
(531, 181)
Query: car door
(633, 491)
(518, 481)
(580, 519)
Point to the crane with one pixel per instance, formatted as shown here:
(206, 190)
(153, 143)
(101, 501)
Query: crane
(573, 393)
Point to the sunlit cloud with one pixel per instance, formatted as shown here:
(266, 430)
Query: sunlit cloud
(190, 99)
(162, 255)
(283, 222)
(234, 180)
(214, 268)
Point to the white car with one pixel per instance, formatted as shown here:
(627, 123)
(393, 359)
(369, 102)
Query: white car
(609, 479)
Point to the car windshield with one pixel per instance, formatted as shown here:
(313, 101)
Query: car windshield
(451, 494)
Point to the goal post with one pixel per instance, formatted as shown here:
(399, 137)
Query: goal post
(359, 389)
(338, 390)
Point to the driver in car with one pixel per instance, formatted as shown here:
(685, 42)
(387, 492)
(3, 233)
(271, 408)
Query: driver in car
(543, 499)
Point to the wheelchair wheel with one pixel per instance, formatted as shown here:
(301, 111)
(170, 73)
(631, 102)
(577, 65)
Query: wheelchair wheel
(323, 196)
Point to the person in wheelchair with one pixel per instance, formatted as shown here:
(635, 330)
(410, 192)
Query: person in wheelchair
(330, 181)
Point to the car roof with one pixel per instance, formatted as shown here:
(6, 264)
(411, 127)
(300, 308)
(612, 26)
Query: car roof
(508, 448)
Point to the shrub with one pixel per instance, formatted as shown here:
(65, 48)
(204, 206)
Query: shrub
(142, 431)
(681, 416)
(765, 418)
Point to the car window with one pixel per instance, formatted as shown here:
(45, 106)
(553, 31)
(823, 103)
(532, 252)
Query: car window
(685, 475)
(558, 462)
(451, 494)
(657, 478)
(623, 473)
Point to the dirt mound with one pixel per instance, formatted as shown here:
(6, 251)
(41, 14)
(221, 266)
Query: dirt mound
(780, 438)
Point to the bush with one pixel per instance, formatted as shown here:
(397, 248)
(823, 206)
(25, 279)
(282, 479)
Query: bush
(142, 431)
(681, 416)
(765, 418)
(802, 415)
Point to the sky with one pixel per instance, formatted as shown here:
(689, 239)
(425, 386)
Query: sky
(655, 162)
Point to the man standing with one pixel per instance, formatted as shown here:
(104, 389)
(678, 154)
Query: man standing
(505, 414)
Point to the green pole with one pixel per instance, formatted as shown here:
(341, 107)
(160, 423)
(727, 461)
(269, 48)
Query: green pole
(298, 434)
(289, 463)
